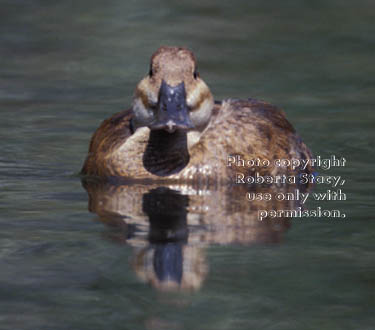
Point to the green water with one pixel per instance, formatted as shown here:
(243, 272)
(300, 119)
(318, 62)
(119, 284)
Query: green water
(65, 66)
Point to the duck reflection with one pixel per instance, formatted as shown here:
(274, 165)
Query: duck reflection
(168, 262)
(169, 226)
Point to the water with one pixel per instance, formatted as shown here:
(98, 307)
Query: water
(65, 66)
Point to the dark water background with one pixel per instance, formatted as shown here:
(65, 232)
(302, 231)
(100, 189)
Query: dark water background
(66, 65)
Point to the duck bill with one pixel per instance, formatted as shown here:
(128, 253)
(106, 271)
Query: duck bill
(172, 110)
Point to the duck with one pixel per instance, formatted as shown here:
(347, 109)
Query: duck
(176, 132)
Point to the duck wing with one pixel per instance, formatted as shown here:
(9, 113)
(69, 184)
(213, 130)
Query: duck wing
(112, 132)
(251, 129)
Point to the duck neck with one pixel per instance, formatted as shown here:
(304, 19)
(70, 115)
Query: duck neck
(166, 153)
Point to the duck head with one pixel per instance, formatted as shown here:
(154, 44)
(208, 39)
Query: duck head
(172, 96)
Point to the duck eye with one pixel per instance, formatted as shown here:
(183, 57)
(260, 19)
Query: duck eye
(196, 74)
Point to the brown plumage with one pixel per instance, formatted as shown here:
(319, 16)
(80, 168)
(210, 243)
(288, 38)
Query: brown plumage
(174, 132)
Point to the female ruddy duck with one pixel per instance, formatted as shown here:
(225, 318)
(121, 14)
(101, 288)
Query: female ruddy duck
(175, 131)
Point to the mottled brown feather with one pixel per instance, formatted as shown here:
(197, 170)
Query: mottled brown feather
(249, 128)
